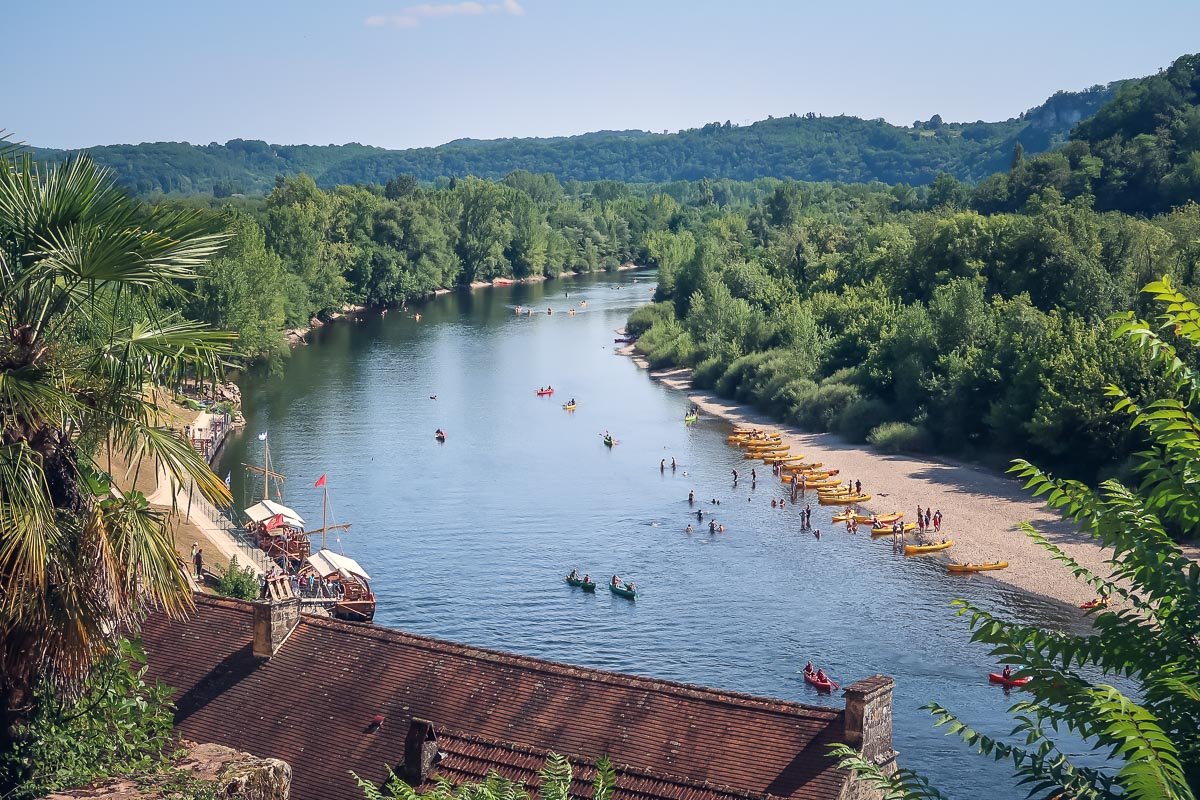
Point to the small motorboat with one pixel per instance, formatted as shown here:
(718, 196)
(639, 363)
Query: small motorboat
(984, 567)
(997, 677)
(544, 392)
(625, 590)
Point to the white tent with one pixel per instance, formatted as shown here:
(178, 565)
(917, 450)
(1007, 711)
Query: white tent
(261, 512)
(327, 562)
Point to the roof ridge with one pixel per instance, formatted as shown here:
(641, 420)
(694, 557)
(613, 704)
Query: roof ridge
(660, 685)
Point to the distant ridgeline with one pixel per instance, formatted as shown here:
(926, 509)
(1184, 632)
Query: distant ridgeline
(808, 147)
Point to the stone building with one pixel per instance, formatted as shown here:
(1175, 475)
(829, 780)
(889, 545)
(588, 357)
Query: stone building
(330, 697)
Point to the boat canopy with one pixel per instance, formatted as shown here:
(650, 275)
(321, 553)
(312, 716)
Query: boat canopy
(265, 510)
(327, 562)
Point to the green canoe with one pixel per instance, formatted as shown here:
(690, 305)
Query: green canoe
(691, 418)
(587, 586)
(608, 441)
(621, 591)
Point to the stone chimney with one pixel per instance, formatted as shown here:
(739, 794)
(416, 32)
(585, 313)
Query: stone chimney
(869, 720)
(420, 752)
(276, 615)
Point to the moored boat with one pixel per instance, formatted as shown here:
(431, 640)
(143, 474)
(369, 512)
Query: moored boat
(920, 549)
(841, 499)
(886, 530)
(343, 582)
(984, 567)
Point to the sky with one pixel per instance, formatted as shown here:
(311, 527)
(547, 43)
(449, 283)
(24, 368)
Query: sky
(397, 74)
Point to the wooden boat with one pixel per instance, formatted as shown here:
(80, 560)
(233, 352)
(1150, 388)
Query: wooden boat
(345, 585)
(886, 530)
(821, 685)
(623, 591)
(998, 677)
(984, 567)
(276, 529)
(920, 549)
(544, 392)
(568, 406)
(343, 581)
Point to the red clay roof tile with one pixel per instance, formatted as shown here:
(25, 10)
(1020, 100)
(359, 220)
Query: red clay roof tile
(312, 705)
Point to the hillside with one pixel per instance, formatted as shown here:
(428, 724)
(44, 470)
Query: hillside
(805, 147)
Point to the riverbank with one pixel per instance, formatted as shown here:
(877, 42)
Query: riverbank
(983, 510)
(298, 336)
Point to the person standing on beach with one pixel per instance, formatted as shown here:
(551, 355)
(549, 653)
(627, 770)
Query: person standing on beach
(927, 519)
(920, 520)
(858, 487)
(937, 521)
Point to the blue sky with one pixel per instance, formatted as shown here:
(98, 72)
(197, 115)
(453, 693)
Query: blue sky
(395, 73)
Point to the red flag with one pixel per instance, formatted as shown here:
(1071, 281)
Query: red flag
(273, 523)
(320, 482)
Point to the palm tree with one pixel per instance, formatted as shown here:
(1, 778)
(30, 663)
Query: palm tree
(554, 783)
(84, 275)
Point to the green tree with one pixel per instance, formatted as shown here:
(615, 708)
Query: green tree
(1146, 639)
(84, 345)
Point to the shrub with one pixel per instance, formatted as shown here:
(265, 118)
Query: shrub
(898, 437)
(644, 318)
(822, 412)
(708, 372)
(861, 416)
(238, 582)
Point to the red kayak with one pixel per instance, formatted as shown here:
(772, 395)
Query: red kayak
(996, 677)
(544, 392)
(822, 685)
(1100, 603)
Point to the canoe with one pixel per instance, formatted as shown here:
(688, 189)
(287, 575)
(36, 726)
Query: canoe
(691, 418)
(1099, 602)
(621, 591)
(918, 549)
(568, 406)
(886, 530)
(608, 441)
(998, 677)
(589, 587)
(574, 581)
(822, 686)
(985, 567)
(544, 393)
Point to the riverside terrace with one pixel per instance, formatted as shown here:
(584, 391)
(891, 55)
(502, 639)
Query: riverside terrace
(329, 697)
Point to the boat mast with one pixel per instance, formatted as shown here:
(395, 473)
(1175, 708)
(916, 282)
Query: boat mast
(324, 514)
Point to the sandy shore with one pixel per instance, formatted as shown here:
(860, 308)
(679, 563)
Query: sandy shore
(982, 509)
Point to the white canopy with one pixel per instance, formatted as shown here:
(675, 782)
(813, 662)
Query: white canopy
(327, 562)
(261, 512)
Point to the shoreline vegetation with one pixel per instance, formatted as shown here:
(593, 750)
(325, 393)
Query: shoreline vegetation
(299, 335)
(983, 509)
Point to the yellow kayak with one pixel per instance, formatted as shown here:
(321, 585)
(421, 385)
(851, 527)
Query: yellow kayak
(989, 565)
(918, 549)
(766, 448)
(568, 406)
(824, 483)
(886, 530)
(840, 500)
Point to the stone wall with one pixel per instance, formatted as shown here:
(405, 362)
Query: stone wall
(233, 773)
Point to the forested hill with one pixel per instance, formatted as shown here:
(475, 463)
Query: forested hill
(805, 147)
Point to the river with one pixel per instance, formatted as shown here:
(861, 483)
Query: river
(469, 540)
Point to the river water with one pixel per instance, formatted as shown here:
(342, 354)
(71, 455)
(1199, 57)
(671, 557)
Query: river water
(469, 540)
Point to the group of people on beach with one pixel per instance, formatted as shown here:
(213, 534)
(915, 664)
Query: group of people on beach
(929, 521)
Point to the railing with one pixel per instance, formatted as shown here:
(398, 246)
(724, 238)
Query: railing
(248, 552)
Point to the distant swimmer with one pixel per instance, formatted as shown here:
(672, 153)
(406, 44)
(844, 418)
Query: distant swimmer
(692, 497)
(689, 528)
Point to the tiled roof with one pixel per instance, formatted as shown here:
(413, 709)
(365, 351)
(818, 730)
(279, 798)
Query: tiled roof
(312, 705)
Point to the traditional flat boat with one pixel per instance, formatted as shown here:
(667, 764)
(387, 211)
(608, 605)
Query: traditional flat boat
(344, 582)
